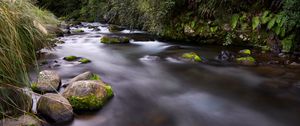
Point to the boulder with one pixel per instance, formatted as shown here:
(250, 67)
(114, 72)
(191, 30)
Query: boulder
(114, 40)
(88, 94)
(84, 76)
(245, 52)
(55, 108)
(48, 81)
(192, 57)
(25, 120)
(225, 56)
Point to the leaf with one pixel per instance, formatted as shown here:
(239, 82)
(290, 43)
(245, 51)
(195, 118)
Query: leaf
(271, 23)
(277, 30)
(193, 24)
(255, 22)
(283, 31)
(265, 14)
(287, 43)
(234, 20)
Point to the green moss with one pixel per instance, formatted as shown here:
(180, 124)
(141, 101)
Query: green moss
(193, 56)
(90, 102)
(84, 60)
(109, 91)
(114, 40)
(95, 77)
(249, 58)
(246, 52)
(246, 60)
(70, 58)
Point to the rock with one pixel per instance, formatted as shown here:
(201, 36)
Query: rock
(115, 28)
(84, 76)
(48, 81)
(70, 58)
(295, 64)
(55, 108)
(85, 60)
(245, 52)
(25, 120)
(192, 57)
(114, 40)
(246, 60)
(225, 56)
(174, 47)
(77, 31)
(20, 99)
(88, 94)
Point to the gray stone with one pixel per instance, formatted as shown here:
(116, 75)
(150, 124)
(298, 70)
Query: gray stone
(48, 81)
(84, 76)
(55, 107)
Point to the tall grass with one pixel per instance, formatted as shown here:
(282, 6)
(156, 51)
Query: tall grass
(22, 34)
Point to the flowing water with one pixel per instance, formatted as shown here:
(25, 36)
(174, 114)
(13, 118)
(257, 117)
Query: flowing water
(153, 88)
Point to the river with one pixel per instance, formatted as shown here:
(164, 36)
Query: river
(153, 88)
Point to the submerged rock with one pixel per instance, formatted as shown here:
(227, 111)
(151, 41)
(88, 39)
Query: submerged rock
(55, 108)
(48, 81)
(114, 40)
(192, 57)
(150, 58)
(246, 60)
(25, 120)
(88, 94)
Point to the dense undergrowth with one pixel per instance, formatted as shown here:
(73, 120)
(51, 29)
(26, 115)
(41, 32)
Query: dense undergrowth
(23, 31)
(268, 24)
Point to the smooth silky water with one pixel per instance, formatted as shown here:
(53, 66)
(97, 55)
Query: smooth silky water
(153, 88)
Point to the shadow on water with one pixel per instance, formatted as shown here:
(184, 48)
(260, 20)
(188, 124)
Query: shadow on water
(166, 91)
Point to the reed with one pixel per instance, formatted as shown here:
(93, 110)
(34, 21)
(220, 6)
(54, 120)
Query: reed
(23, 32)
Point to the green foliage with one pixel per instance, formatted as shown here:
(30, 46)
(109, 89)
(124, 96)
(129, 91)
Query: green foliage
(255, 22)
(288, 43)
(234, 20)
(114, 40)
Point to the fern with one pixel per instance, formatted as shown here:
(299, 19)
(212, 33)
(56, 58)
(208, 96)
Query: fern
(287, 43)
(255, 22)
(265, 18)
(234, 20)
(272, 23)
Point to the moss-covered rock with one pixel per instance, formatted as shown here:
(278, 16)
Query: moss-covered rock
(84, 60)
(70, 58)
(246, 60)
(55, 107)
(88, 95)
(114, 40)
(115, 28)
(192, 57)
(245, 52)
(78, 31)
